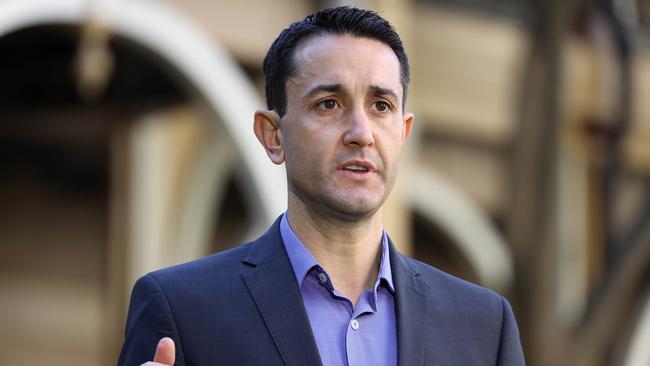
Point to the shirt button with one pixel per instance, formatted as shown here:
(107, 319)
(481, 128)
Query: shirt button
(354, 324)
(322, 277)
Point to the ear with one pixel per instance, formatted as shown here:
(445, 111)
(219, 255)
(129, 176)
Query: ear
(266, 125)
(407, 126)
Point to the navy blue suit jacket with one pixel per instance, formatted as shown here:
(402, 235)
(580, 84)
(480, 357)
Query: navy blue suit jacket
(244, 307)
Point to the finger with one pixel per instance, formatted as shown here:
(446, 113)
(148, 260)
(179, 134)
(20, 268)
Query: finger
(165, 352)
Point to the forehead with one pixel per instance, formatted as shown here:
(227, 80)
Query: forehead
(354, 62)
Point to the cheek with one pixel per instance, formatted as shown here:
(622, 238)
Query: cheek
(317, 139)
(301, 152)
(294, 156)
(390, 148)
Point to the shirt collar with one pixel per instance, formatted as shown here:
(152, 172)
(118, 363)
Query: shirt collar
(302, 261)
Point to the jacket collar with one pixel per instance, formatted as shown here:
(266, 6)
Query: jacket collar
(273, 286)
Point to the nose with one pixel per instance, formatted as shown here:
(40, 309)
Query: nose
(359, 131)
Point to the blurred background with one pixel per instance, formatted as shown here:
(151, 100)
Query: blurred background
(126, 145)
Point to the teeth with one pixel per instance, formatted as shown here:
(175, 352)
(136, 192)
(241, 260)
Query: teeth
(356, 168)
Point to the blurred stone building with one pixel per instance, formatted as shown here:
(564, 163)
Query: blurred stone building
(126, 145)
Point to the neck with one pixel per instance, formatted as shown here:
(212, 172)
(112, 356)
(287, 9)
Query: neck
(349, 250)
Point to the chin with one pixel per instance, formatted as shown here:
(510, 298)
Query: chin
(353, 209)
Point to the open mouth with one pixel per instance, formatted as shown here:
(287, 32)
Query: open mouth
(356, 169)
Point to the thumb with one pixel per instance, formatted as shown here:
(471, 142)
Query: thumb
(165, 352)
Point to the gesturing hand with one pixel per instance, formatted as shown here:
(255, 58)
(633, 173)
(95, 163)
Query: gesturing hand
(165, 353)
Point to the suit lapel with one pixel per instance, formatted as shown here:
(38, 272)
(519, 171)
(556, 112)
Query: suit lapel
(273, 287)
(412, 311)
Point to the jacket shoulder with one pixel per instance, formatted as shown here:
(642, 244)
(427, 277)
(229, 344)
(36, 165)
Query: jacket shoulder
(476, 320)
(458, 292)
(212, 267)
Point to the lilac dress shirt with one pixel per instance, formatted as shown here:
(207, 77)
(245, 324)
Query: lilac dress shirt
(365, 335)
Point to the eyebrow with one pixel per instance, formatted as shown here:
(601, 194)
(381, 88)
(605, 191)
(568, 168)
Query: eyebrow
(378, 90)
(332, 88)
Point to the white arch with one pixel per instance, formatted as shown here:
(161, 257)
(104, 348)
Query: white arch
(205, 65)
(476, 237)
(209, 70)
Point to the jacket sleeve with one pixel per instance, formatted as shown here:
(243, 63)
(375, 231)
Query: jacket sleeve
(510, 351)
(150, 318)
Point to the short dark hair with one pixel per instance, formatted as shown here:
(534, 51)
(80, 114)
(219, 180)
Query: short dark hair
(279, 64)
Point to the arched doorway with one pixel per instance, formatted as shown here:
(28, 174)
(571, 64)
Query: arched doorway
(99, 192)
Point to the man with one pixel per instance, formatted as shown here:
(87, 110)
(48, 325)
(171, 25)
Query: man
(324, 285)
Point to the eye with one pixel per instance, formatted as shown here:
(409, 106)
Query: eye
(327, 104)
(381, 106)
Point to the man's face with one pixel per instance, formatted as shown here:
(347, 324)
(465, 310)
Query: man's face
(344, 126)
